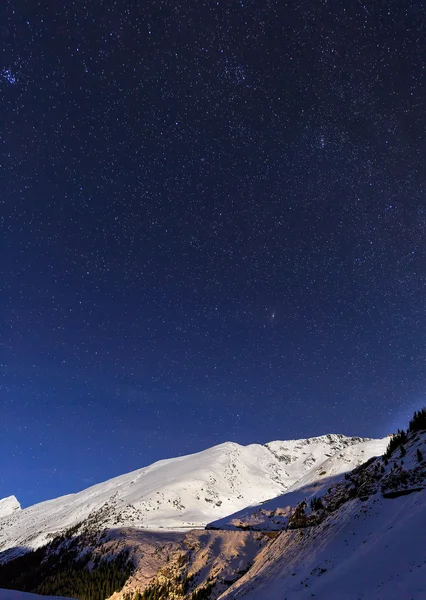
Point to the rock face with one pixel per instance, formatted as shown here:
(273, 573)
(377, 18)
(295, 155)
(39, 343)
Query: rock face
(199, 561)
(190, 491)
(8, 506)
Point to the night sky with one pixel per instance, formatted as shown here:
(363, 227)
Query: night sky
(213, 223)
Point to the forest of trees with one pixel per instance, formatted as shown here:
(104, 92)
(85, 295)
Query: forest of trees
(167, 590)
(66, 574)
(417, 423)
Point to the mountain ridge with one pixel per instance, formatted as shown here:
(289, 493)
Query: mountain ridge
(183, 493)
(344, 500)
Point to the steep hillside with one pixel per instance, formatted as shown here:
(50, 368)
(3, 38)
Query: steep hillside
(273, 514)
(362, 539)
(186, 492)
(205, 563)
(344, 507)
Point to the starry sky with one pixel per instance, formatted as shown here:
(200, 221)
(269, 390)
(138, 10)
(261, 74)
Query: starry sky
(213, 223)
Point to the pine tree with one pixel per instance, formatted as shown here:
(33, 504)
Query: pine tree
(418, 422)
(396, 440)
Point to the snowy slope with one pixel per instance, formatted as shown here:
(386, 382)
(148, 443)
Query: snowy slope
(184, 492)
(370, 547)
(272, 515)
(15, 595)
(8, 506)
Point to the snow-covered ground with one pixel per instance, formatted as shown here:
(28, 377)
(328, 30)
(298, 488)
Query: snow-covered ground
(15, 595)
(368, 551)
(189, 491)
(370, 547)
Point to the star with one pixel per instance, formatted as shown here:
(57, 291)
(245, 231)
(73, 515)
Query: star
(202, 219)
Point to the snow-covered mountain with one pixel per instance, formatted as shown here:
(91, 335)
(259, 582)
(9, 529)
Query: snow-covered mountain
(8, 506)
(272, 514)
(190, 491)
(308, 518)
(362, 538)
(357, 536)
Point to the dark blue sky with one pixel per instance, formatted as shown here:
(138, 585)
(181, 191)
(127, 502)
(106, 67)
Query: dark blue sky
(213, 228)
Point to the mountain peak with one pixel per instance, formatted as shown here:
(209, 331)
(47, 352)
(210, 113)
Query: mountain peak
(8, 506)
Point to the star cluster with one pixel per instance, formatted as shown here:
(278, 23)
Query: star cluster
(213, 228)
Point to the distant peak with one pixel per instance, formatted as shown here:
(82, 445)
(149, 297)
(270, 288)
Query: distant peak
(9, 505)
(228, 445)
(8, 499)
